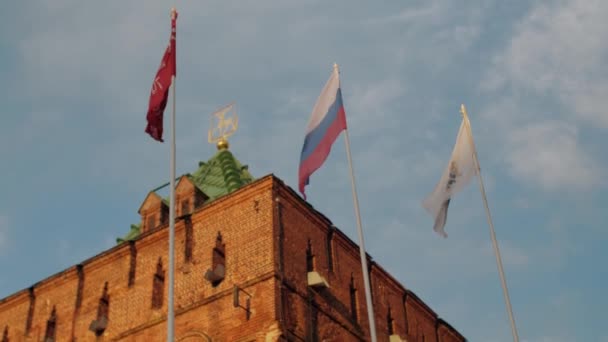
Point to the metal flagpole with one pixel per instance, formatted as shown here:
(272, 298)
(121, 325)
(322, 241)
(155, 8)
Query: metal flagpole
(170, 313)
(368, 294)
(492, 232)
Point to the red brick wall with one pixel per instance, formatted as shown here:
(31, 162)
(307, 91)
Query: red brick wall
(265, 252)
(411, 319)
(421, 321)
(332, 305)
(245, 222)
(446, 333)
(387, 293)
(60, 293)
(13, 313)
(218, 319)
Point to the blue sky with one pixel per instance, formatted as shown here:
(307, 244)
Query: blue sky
(76, 163)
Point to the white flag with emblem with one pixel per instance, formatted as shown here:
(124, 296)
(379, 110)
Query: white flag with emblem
(456, 176)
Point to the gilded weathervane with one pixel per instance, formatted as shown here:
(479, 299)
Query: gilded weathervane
(224, 122)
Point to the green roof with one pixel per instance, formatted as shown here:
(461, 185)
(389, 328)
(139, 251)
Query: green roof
(219, 176)
(131, 235)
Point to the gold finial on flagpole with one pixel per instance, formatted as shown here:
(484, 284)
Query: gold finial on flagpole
(224, 126)
(463, 111)
(173, 12)
(336, 67)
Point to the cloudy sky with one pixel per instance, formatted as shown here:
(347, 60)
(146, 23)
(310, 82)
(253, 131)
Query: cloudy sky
(75, 163)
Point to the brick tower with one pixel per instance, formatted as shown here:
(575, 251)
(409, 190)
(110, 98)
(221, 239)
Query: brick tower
(253, 262)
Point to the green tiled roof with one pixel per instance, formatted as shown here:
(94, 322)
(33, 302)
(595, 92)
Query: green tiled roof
(131, 235)
(219, 176)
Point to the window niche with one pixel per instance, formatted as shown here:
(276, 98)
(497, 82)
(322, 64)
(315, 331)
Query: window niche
(99, 325)
(353, 299)
(158, 286)
(51, 324)
(132, 263)
(30, 311)
(310, 258)
(185, 207)
(150, 222)
(314, 279)
(390, 322)
(188, 241)
(217, 272)
(329, 249)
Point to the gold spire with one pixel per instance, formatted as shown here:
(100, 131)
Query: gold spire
(222, 127)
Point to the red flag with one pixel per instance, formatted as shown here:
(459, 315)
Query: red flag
(160, 87)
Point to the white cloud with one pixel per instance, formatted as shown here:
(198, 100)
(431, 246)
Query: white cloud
(431, 36)
(61, 61)
(549, 154)
(558, 49)
(548, 86)
(369, 106)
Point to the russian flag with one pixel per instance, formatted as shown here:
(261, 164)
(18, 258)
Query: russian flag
(327, 121)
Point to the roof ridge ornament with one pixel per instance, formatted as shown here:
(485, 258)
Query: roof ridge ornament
(223, 126)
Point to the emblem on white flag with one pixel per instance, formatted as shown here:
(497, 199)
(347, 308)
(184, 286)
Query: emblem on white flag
(460, 170)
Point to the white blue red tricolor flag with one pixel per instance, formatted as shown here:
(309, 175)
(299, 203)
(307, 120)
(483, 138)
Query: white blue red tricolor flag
(326, 123)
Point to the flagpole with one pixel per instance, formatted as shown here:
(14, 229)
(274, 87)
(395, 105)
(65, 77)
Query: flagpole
(368, 294)
(492, 232)
(170, 313)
